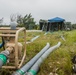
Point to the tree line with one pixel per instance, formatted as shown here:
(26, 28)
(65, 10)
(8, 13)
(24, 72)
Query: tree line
(26, 21)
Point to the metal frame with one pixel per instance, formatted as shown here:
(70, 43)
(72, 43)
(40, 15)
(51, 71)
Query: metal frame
(16, 32)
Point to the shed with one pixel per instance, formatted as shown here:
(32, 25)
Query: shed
(55, 24)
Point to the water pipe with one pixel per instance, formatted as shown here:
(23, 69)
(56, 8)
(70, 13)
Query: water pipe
(28, 65)
(34, 38)
(46, 33)
(63, 38)
(35, 68)
(4, 56)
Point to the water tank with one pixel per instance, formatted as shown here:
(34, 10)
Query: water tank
(13, 25)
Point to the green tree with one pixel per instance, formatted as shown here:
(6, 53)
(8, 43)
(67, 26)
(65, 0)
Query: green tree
(20, 20)
(26, 21)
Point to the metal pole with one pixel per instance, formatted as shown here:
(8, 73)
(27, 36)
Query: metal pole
(35, 68)
(28, 65)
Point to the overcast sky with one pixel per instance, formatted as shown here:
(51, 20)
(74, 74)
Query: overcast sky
(40, 9)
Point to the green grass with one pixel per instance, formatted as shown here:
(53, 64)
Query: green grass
(61, 58)
(58, 61)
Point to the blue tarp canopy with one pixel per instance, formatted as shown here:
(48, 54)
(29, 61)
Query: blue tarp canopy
(56, 19)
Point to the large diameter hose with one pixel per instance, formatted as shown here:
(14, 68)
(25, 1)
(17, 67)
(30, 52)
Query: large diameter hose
(35, 68)
(35, 38)
(3, 57)
(28, 65)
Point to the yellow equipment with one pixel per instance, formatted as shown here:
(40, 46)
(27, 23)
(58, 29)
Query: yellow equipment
(11, 37)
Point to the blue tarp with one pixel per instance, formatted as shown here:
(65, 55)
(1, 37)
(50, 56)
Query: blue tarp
(1, 44)
(56, 19)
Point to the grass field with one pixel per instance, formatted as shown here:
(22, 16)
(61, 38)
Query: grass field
(59, 61)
